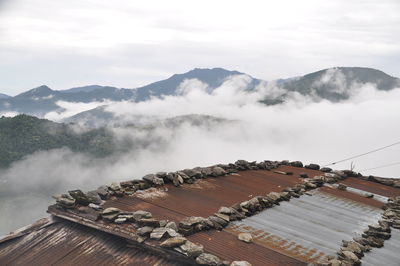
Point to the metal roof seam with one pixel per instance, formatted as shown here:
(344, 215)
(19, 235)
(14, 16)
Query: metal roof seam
(374, 236)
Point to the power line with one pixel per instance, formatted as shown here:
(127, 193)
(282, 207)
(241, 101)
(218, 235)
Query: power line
(363, 154)
(381, 166)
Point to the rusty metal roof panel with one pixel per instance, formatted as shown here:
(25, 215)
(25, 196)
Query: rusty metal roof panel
(203, 198)
(227, 246)
(372, 187)
(131, 203)
(68, 243)
(208, 195)
(352, 195)
(308, 228)
(303, 230)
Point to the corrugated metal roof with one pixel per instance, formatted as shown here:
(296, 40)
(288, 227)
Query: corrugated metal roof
(372, 187)
(227, 246)
(295, 233)
(308, 228)
(352, 195)
(67, 243)
(362, 193)
(203, 198)
(388, 255)
(208, 195)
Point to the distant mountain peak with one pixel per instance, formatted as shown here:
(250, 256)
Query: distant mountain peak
(336, 83)
(40, 91)
(213, 77)
(42, 88)
(87, 88)
(4, 96)
(360, 71)
(214, 69)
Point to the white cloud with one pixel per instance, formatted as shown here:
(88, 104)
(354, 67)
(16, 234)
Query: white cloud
(190, 86)
(42, 98)
(8, 114)
(72, 108)
(301, 129)
(79, 42)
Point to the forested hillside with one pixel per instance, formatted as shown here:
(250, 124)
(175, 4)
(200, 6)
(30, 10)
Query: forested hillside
(22, 135)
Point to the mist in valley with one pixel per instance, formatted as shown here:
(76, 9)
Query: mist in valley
(199, 128)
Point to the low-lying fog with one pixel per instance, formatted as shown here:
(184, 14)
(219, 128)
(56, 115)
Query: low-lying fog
(302, 128)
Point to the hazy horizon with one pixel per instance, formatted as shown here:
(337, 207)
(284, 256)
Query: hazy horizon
(126, 44)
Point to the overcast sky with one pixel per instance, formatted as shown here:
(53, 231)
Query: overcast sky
(67, 43)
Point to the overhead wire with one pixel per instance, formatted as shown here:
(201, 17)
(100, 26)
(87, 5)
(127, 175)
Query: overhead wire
(381, 166)
(363, 154)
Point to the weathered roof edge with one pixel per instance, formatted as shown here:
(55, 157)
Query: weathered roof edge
(37, 225)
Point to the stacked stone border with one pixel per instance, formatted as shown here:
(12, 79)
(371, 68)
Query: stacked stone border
(374, 236)
(172, 236)
(391, 182)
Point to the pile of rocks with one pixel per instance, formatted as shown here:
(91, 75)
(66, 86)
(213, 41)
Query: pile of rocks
(241, 210)
(164, 231)
(191, 250)
(374, 236)
(77, 198)
(392, 182)
(392, 212)
(196, 251)
(89, 204)
(189, 176)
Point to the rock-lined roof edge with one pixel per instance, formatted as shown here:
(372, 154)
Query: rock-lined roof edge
(176, 244)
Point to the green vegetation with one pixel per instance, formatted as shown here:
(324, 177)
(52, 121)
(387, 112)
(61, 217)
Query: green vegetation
(23, 135)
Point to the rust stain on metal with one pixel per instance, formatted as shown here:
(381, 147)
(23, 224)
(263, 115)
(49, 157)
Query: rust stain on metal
(122, 230)
(105, 243)
(131, 203)
(200, 199)
(309, 228)
(225, 191)
(68, 243)
(352, 196)
(208, 195)
(372, 187)
(100, 242)
(203, 198)
(228, 247)
(281, 245)
(27, 229)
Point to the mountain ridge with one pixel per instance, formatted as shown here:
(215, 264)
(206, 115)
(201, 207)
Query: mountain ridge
(4, 96)
(41, 100)
(336, 83)
(333, 84)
